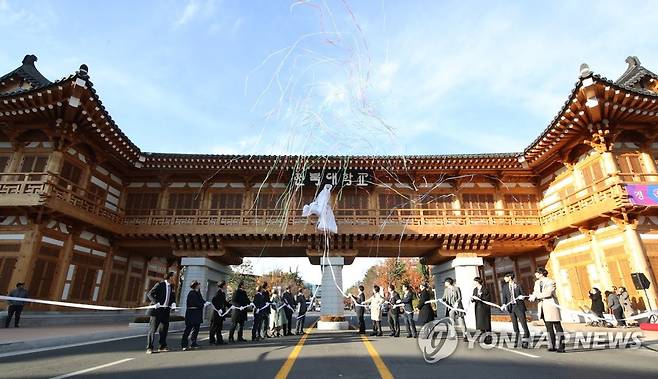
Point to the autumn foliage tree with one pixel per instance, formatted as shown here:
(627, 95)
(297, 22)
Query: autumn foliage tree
(395, 271)
(280, 278)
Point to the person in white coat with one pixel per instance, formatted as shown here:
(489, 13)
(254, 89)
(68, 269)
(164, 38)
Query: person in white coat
(375, 301)
(544, 293)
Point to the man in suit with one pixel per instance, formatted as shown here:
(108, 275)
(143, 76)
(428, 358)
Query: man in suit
(289, 301)
(544, 293)
(162, 297)
(361, 311)
(301, 312)
(219, 304)
(259, 302)
(239, 316)
(16, 306)
(408, 310)
(193, 316)
(265, 313)
(393, 312)
(516, 309)
(452, 295)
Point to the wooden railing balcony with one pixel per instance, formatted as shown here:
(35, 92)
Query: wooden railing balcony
(19, 183)
(602, 197)
(357, 217)
(34, 188)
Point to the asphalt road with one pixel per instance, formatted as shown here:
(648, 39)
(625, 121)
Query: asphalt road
(323, 355)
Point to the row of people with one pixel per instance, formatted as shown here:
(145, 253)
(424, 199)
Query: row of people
(618, 301)
(513, 296)
(271, 313)
(395, 306)
(544, 293)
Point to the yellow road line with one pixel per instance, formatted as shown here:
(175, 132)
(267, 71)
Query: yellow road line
(287, 366)
(384, 372)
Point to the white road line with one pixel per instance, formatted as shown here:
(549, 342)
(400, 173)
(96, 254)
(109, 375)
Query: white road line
(42, 349)
(92, 369)
(517, 352)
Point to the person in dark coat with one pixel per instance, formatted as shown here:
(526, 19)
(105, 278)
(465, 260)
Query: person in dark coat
(360, 311)
(482, 310)
(393, 312)
(425, 311)
(259, 302)
(239, 316)
(289, 302)
(614, 306)
(301, 312)
(162, 297)
(516, 309)
(408, 316)
(219, 304)
(265, 313)
(193, 316)
(597, 302)
(16, 306)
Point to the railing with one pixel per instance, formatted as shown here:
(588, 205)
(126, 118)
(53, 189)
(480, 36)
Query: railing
(52, 186)
(608, 192)
(22, 183)
(367, 217)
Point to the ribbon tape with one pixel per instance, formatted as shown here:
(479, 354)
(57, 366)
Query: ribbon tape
(75, 305)
(583, 314)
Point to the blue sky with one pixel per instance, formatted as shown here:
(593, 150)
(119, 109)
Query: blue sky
(334, 77)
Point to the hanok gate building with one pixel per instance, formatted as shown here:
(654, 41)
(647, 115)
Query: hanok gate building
(86, 216)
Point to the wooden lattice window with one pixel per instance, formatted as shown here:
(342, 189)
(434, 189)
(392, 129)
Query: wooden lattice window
(4, 162)
(141, 203)
(352, 201)
(226, 203)
(8, 259)
(34, 163)
(185, 203)
(592, 173)
(391, 204)
(631, 164)
(43, 273)
(71, 173)
(478, 203)
(521, 204)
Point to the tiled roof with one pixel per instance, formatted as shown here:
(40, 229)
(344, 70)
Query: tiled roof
(634, 74)
(29, 73)
(574, 111)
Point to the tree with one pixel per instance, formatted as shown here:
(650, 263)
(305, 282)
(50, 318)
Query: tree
(280, 278)
(395, 271)
(243, 273)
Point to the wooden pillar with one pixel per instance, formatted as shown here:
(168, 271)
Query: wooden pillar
(55, 162)
(63, 266)
(598, 253)
(638, 260)
(26, 255)
(16, 157)
(107, 274)
(648, 163)
(124, 292)
(609, 163)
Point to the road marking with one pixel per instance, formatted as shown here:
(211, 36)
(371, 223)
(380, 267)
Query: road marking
(517, 352)
(42, 349)
(287, 366)
(384, 372)
(92, 369)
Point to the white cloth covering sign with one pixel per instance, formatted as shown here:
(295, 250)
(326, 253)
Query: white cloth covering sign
(320, 207)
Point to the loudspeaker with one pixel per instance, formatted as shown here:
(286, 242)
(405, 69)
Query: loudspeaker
(640, 281)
